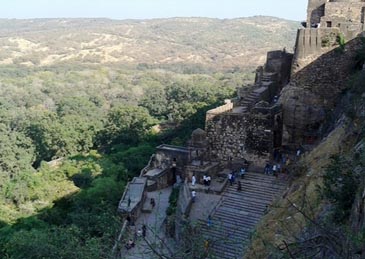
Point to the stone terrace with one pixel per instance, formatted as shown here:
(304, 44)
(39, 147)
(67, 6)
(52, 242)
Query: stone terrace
(238, 212)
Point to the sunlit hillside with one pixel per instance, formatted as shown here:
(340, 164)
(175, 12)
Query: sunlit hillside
(212, 43)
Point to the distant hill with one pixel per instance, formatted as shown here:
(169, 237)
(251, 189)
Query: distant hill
(212, 43)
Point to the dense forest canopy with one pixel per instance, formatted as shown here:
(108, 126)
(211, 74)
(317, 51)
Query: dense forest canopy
(83, 103)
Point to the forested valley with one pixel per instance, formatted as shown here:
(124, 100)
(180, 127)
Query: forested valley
(74, 131)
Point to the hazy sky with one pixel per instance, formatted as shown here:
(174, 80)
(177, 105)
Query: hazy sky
(142, 9)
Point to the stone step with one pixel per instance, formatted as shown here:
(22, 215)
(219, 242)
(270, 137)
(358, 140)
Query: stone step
(249, 191)
(254, 93)
(250, 209)
(246, 103)
(234, 198)
(220, 235)
(251, 188)
(259, 182)
(242, 212)
(240, 222)
(243, 108)
(252, 97)
(226, 245)
(247, 200)
(250, 100)
(220, 232)
(261, 177)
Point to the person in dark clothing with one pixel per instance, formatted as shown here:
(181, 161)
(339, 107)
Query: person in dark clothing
(144, 230)
(239, 186)
(130, 244)
(153, 203)
(266, 168)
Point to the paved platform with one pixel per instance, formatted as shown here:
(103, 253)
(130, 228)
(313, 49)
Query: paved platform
(155, 229)
(204, 205)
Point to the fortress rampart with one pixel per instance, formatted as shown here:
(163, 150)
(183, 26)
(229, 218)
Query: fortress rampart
(311, 43)
(326, 55)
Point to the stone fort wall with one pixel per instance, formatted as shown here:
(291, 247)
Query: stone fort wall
(227, 135)
(322, 67)
(327, 20)
(311, 43)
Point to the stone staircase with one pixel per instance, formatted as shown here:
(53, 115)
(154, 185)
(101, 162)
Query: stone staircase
(250, 100)
(238, 213)
(269, 77)
(254, 96)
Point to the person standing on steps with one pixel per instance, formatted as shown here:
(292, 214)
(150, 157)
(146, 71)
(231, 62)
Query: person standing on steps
(144, 230)
(209, 180)
(193, 180)
(206, 247)
(193, 196)
(205, 180)
(239, 186)
(130, 244)
(209, 223)
(152, 202)
(242, 172)
(230, 178)
(267, 168)
(274, 169)
(298, 153)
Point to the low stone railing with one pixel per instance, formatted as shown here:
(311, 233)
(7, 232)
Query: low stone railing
(119, 239)
(147, 167)
(228, 106)
(184, 203)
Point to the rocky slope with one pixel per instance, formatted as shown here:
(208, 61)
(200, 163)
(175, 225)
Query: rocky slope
(322, 214)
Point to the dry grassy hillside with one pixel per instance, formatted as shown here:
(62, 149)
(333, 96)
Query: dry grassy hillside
(212, 43)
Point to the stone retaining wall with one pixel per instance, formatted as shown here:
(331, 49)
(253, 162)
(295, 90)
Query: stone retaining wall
(227, 136)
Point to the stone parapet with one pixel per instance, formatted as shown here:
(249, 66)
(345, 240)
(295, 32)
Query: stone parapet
(228, 106)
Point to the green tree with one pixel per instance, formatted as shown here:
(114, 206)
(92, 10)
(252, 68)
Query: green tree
(126, 125)
(17, 152)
